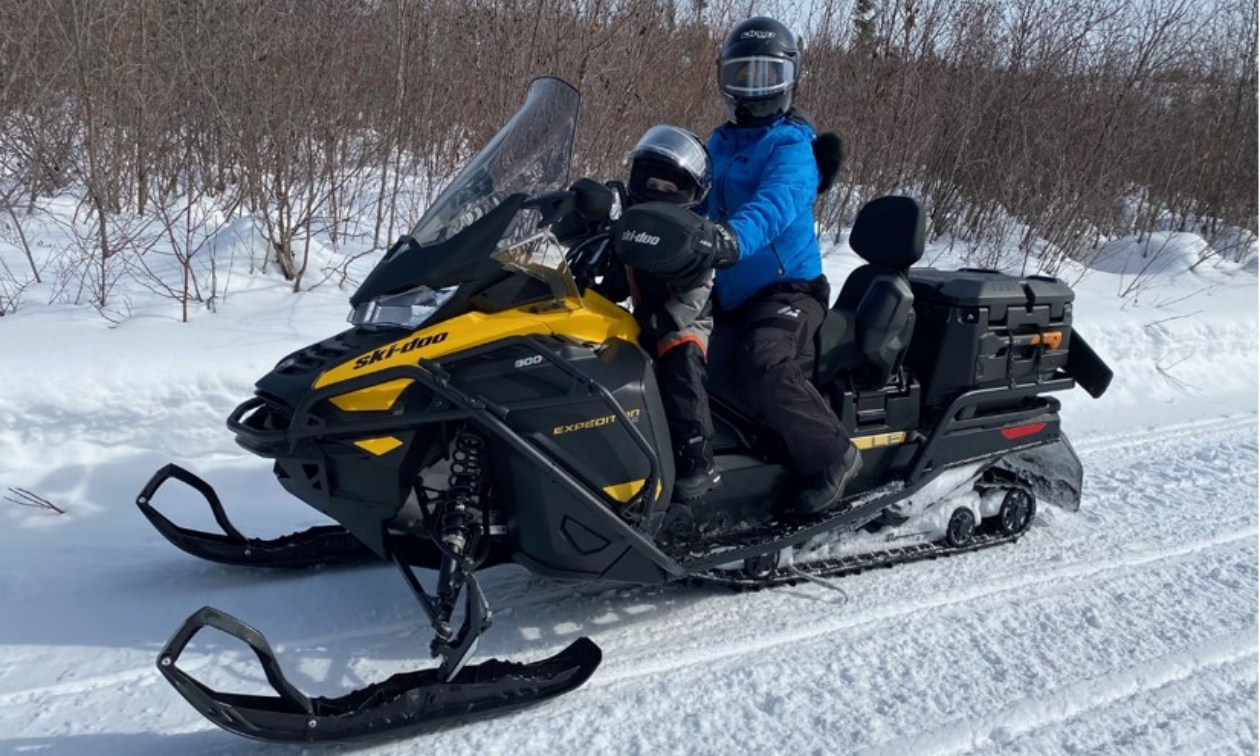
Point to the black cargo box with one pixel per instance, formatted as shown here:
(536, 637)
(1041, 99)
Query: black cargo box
(988, 328)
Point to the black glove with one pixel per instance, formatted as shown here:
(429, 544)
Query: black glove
(725, 246)
(593, 199)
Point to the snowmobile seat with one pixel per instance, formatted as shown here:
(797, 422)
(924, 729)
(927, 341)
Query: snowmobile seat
(869, 327)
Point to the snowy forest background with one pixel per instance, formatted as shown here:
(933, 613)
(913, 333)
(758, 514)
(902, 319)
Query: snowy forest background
(138, 135)
(165, 161)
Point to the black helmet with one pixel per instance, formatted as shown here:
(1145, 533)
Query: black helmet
(757, 71)
(669, 164)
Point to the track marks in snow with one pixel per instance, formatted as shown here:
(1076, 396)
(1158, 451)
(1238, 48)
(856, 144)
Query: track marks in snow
(888, 675)
(1149, 574)
(1144, 439)
(1141, 533)
(1046, 561)
(997, 731)
(124, 678)
(1027, 586)
(1033, 563)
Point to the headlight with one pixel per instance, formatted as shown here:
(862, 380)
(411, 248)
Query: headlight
(409, 309)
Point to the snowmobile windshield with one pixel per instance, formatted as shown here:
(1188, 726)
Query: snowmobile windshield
(476, 224)
(529, 156)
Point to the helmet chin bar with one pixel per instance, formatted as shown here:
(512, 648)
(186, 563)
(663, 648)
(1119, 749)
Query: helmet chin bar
(759, 112)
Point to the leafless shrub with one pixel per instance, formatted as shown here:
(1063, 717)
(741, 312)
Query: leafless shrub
(1058, 121)
(25, 498)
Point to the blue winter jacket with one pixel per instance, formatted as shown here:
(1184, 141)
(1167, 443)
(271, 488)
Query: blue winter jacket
(765, 181)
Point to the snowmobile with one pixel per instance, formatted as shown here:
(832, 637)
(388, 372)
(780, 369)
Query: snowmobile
(486, 407)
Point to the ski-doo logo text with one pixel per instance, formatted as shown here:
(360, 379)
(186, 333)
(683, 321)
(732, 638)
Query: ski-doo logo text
(757, 34)
(595, 422)
(641, 237)
(419, 342)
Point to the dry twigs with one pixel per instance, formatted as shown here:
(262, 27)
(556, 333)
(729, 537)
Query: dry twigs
(28, 499)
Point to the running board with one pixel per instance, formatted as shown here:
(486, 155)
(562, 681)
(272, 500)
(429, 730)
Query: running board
(777, 535)
(850, 565)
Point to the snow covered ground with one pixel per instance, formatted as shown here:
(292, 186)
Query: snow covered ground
(1129, 627)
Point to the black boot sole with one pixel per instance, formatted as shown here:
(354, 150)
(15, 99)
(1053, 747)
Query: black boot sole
(838, 494)
(690, 491)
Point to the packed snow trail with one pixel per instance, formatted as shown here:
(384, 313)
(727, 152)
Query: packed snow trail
(1128, 627)
(1089, 634)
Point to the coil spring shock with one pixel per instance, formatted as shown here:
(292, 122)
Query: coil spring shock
(463, 489)
(463, 499)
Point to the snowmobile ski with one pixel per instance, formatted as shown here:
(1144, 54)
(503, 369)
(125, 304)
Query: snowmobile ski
(320, 545)
(404, 703)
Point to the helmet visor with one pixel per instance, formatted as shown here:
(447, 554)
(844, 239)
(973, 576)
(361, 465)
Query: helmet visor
(756, 76)
(677, 146)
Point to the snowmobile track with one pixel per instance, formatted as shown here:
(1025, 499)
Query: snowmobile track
(839, 567)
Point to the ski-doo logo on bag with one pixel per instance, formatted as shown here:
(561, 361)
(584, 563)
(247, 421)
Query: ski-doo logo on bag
(418, 342)
(641, 237)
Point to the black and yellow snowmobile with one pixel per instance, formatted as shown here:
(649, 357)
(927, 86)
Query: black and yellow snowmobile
(485, 408)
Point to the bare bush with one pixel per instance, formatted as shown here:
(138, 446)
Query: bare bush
(25, 498)
(1056, 121)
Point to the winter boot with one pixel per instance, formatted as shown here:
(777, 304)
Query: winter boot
(695, 471)
(678, 526)
(824, 490)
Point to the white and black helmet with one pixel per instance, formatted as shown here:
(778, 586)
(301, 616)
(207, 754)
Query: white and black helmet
(758, 70)
(669, 164)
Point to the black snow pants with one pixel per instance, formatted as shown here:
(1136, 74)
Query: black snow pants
(776, 327)
(676, 331)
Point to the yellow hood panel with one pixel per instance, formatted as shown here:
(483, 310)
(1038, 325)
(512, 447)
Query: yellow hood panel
(591, 319)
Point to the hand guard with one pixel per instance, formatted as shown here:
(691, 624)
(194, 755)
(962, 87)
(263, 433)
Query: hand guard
(575, 213)
(593, 199)
(558, 211)
(667, 241)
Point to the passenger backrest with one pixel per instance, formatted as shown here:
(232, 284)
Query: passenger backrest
(877, 298)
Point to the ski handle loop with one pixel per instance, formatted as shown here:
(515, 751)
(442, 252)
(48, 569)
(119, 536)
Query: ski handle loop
(204, 697)
(321, 544)
(160, 521)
